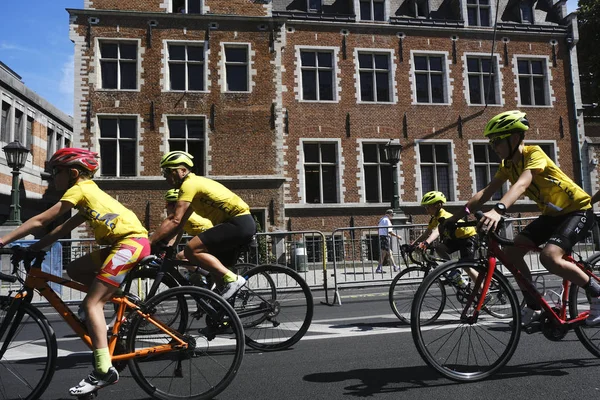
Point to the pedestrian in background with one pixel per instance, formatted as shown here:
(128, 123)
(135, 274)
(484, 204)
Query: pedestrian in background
(385, 231)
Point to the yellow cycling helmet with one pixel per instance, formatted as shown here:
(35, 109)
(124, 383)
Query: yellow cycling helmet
(176, 158)
(172, 195)
(505, 124)
(433, 197)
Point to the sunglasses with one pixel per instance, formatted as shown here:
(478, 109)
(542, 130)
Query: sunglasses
(497, 140)
(166, 171)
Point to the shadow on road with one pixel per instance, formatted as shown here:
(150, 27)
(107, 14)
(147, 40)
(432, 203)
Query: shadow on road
(391, 380)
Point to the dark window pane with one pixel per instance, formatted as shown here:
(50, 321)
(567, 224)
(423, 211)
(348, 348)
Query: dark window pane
(372, 183)
(490, 90)
(381, 61)
(328, 153)
(195, 53)
(176, 128)
(109, 74)
(177, 76)
(329, 184)
(526, 12)
(128, 51)
(365, 10)
(325, 59)
(109, 50)
(176, 52)
(370, 152)
(366, 87)
(479, 153)
(382, 156)
(108, 153)
(108, 128)
(422, 88)
(194, 6)
(235, 54)
(314, 5)
(443, 180)
(127, 128)
(421, 63)
(175, 145)
(472, 15)
(525, 91)
(523, 66)
(475, 90)
(472, 64)
(441, 153)
(195, 77)
(485, 65)
(481, 178)
(538, 90)
(437, 89)
(426, 152)
(237, 78)
(128, 153)
(325, 85)
(128, 78)
(485, 16)
(195, 128)
(365, 60)
(378, 11)
(435, 63)
(308, 58)
(383, 86)
(427, 180)
(313, 191)
(196, 149)
(537, 67)
(386, 182)
(309, 85)
(311, 152)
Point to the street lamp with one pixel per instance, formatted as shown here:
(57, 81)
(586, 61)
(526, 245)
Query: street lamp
(16, 155)
(392, 154)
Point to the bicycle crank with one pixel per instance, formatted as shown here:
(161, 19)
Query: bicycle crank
(552, 331)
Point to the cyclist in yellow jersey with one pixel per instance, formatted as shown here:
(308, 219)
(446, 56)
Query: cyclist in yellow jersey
(566, 210)
(102, 270)
(234, 225)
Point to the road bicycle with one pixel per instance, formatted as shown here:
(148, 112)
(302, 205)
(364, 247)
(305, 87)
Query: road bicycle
(160, 340)
(465, 344)
(275, 306)
(405, 284)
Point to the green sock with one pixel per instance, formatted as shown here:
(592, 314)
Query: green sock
(102, 360)
(229, 277)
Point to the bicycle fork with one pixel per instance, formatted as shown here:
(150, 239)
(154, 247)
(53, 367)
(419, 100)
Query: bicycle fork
(14, 316)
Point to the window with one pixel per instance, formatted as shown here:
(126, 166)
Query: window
(67, 142)
(526, 9)
(421, 8)
(532, 82)
(18, 134)
(4, 133)
(378, 174)
(435, 168)
(314, 5)
(374, 74)
(59, 144)
(186, 67)
(317, 75)
(547, 148)
(372, 10)
(486, 164)
(429, 77)
(236, 68)
(187, 6)
(29, 134)
(118, 139)
(320, 172)
(118, 65)
(482, 84)
(187, 134)
(478, 12)
(49, 143)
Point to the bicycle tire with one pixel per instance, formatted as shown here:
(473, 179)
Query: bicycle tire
(402, 292)
(282, 301)
(27, 367)
(469, 358)
(579, 302)
(212, 359)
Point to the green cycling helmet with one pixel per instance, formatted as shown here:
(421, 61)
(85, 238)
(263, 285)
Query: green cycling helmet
(175, 158)
(172, 195)
(433, 197)
(505, 124)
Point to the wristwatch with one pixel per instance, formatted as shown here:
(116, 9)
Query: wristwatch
(500, 208)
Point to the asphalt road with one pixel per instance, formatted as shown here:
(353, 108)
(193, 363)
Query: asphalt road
(360, 350)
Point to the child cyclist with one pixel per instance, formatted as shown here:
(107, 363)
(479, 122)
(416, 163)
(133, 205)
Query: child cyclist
(233, 224)
(566, 210)
(101, 270)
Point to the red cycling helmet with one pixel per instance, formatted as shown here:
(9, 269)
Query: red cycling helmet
(74, 157)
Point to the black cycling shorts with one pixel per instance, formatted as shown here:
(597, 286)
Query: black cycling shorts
(222, 240)
(384, 243)
(563, 231)
(466, 246)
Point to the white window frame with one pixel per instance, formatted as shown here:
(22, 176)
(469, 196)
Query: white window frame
(546, 75)
(445, 76)
(186, 43)
(541, 142)
(248, 64)
(391, 74)
(472, 144)
(479, 7)
(385, 10)
(451, 167)
(98, 135)
(497, 82)
(335, 71)
(530, 4)
(138, 64)
(202, 7)
(167, 137)
(302, 164)
(362, 164)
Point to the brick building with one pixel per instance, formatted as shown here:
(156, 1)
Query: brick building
(39, 126)
(290, 102)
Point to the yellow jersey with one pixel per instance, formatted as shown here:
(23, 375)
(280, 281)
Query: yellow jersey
(211, 199)
(195, 225)
(109, 219)
(553, 191)
(461, 233)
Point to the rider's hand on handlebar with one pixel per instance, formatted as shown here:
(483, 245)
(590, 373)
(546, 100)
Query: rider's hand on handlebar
(423, 245)
(489, 221)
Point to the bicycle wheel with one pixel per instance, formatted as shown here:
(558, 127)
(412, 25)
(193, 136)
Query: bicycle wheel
(215, 346)
(459, 345)
(28, 360)
(275, 307)
(579, 302)
(403, 290)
